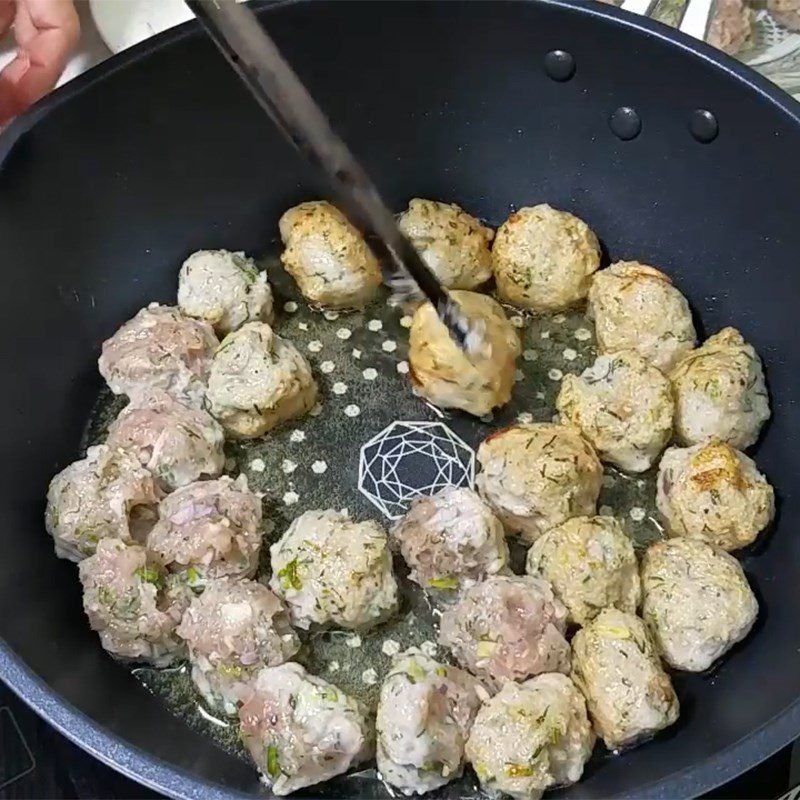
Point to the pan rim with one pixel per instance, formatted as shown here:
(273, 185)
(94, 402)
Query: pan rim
(171, 780)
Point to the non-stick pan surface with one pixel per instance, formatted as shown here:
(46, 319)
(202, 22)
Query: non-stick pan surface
(108, 184)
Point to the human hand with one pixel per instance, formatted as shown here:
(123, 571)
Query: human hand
(45, 31)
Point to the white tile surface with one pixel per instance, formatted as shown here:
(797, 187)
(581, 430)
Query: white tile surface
(124, 23)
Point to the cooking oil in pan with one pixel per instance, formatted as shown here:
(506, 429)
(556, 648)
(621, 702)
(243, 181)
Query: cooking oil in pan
(360, 363)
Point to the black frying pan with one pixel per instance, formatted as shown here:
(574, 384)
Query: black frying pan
(110, 182)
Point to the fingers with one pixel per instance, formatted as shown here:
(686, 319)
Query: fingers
(46, 32)
(38, 16)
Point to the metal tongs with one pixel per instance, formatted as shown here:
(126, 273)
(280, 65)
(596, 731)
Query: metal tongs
(237, 32)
